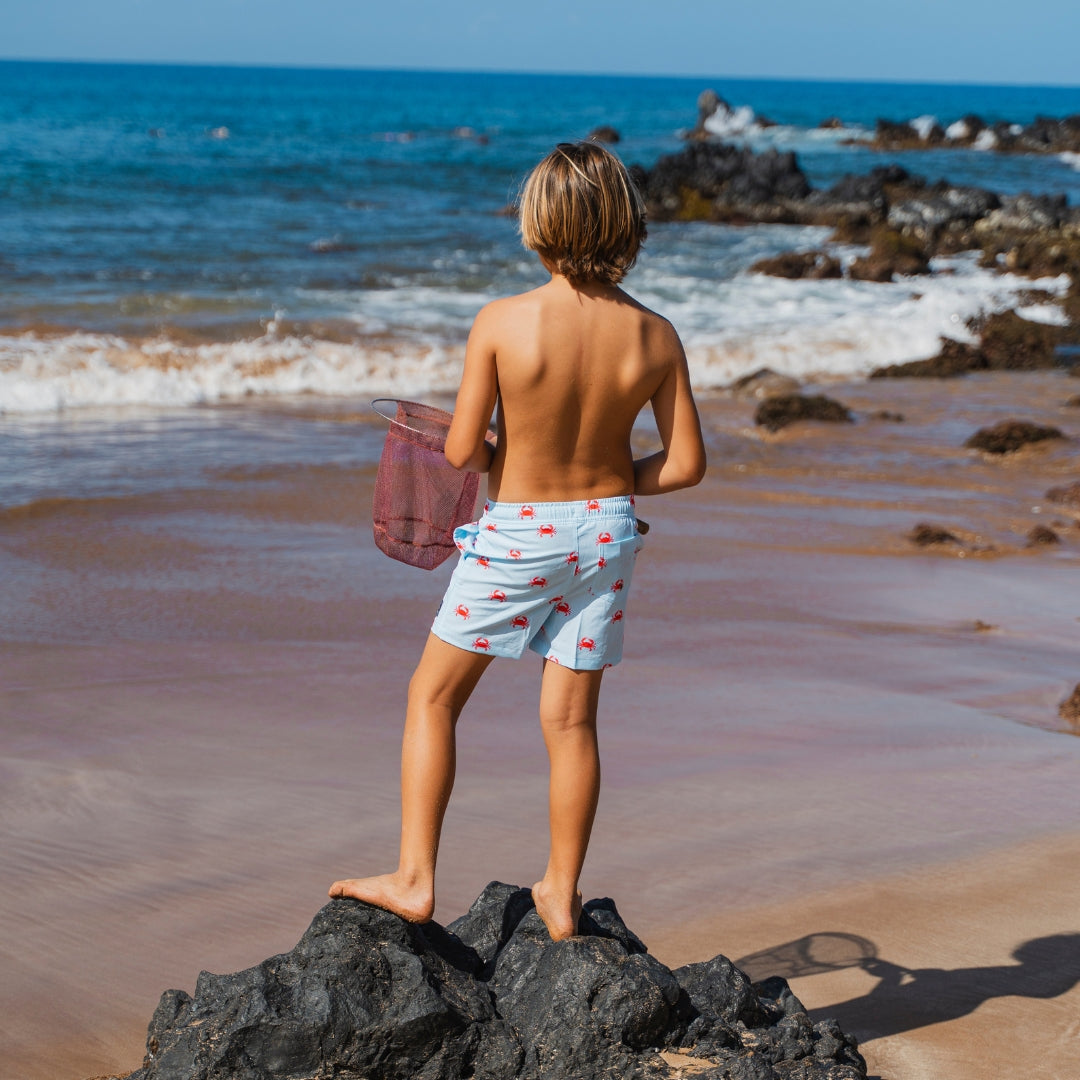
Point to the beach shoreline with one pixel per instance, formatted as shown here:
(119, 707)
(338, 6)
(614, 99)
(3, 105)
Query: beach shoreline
(202, 691)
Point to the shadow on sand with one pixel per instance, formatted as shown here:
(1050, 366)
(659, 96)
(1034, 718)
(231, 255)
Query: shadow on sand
(904, 998)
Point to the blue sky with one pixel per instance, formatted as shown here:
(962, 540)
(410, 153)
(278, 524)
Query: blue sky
(998, 41)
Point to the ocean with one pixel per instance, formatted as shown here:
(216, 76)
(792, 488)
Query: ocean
(189, 236)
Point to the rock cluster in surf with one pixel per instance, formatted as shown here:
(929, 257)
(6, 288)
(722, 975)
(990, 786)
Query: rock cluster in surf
(904, 219)
(366, 995)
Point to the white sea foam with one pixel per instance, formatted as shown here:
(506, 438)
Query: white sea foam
(1070, 159)
(1049, 314)
(985, 140)
(726, 121)
(923, 125)
(81, 370)
(410, 338)
(830, 329)
(957, 130)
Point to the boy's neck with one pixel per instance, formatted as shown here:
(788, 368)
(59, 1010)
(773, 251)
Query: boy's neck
(584, 288)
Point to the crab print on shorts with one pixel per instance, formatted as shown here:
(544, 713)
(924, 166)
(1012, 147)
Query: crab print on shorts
(552, 578)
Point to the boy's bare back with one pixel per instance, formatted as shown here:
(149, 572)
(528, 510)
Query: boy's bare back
(572, 365)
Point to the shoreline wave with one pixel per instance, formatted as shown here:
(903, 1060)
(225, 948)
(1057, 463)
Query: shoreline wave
(809, 330)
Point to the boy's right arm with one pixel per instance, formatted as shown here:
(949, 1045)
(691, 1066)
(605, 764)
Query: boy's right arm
(682, 461)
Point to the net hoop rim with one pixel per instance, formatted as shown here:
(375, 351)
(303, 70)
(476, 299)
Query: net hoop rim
(376, 402)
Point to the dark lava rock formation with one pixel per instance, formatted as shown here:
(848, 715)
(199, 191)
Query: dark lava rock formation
(813, 265)
(777, 412)
(1007, 342)
(1066, 495)
(1042, 536)
(1044, 135)
(367, 996)
(926, 535)
(1069, 709)
(1010, 435)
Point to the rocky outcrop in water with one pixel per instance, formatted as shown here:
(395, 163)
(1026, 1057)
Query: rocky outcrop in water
(780, 410)
(1069, 709)
(1007, 342)
(367, 996)
(1044, 135)
(1011, 435)
(888, 207)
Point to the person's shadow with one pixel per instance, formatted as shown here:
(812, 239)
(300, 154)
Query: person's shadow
(906, 999)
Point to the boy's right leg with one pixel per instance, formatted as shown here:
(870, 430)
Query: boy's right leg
(438, 691)
(568, 702)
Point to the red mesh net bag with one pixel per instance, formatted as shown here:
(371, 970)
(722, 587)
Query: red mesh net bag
(419, 497)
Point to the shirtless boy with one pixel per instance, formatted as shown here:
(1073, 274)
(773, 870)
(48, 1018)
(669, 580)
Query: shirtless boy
(548, 566)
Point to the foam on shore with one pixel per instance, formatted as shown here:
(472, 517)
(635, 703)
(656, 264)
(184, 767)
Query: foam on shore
(410, 341)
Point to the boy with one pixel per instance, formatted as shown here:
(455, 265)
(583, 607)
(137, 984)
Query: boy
(548, 566)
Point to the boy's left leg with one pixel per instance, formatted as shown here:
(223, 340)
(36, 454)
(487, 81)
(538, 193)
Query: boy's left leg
(568, 702)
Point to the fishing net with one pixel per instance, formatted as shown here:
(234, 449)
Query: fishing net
(419, 497)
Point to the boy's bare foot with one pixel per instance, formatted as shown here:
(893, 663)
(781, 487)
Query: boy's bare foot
(560, 916)
(414, 904)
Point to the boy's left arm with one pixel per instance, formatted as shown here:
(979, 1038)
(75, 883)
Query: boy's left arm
(467, 446)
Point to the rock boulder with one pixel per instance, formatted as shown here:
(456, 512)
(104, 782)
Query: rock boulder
(367, 996)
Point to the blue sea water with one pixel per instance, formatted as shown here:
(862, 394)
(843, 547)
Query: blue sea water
(173, 235)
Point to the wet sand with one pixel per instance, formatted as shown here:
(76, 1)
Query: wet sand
(818, 730)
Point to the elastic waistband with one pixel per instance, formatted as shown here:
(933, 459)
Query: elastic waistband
(572, 510)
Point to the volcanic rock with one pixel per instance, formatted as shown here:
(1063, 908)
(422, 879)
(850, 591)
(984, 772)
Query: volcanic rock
(926, 535)
(1010, 435)
(814, 265)
(1066, 495)
(1073, 402)
(1011, 343)
(781, 410)
(891, 252)
(955, 358)
(940, 207)
(605, 133)
(367, 996)
(1069, 709)
(1041, 536)
(720, 182)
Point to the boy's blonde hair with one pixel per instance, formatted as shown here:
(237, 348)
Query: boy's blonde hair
(582, 214)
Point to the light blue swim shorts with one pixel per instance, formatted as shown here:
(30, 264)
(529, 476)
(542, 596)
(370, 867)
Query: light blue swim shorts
(552, 577)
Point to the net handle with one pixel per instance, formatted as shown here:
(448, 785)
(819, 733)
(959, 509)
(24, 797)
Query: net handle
(393, 419)
(376, 402)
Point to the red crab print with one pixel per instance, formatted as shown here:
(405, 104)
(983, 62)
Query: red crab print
(562, 607)
(617, 617)
(538, 582)
(553, 660)
(617, 587)
(491, 527)
(481, 643)
(514, 553)
(604, 538)
(571, 558)
(462, 610)
(587, 644)
(546, 530)
(526, 512)
(483, 560)
(601, 562)
(606, 666)
(632, 503)
(592, 504)
(520, 621)
(487, 507)
(460, 545)
(497, 594)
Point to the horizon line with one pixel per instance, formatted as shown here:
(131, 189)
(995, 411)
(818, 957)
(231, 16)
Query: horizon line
(414, 70)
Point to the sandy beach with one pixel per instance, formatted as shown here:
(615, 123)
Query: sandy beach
(829, 754)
